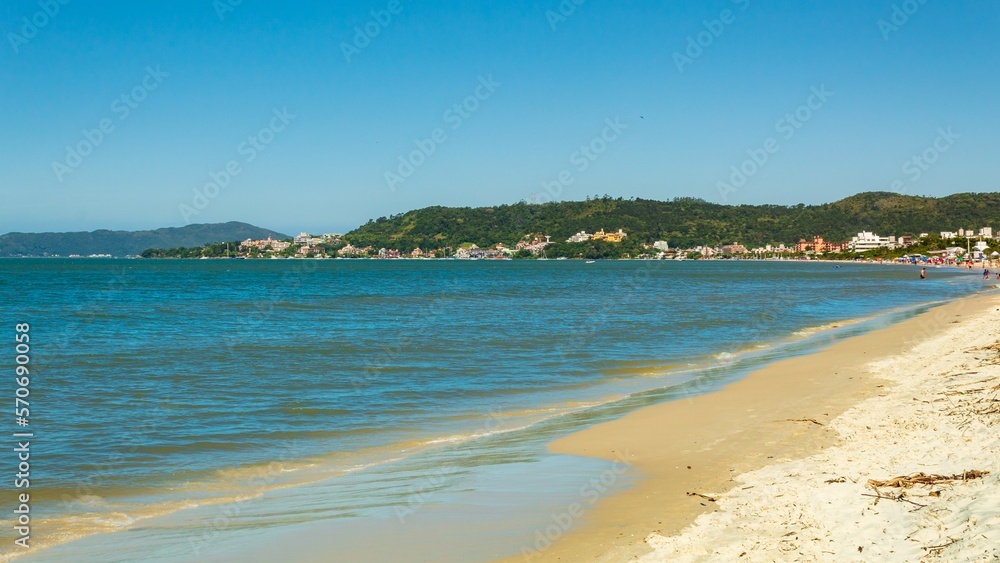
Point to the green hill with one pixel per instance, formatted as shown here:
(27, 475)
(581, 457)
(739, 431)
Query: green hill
(683, 222)
(123, 243)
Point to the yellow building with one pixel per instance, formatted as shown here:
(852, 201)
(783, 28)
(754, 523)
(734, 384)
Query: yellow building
(609, 237)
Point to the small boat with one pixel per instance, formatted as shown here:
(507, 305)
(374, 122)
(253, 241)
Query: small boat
(590, 261)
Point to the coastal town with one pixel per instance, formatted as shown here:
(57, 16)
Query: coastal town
(977, 244)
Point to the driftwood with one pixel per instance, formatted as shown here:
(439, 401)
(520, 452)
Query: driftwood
(907, 481)
(706, 497)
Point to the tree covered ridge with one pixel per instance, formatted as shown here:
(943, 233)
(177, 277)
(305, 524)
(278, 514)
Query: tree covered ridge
(124, 243)
(683, 222)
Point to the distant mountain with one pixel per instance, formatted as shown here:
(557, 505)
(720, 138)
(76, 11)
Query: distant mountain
(124, 243)
(682, 222)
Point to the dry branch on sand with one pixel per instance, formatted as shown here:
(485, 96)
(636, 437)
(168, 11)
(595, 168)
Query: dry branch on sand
(907, 481)
(901, 497)
(812, 420)
(937, 549)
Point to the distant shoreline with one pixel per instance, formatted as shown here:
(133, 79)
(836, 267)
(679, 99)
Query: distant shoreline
(453, 259)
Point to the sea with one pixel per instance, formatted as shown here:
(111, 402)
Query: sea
(362, 410)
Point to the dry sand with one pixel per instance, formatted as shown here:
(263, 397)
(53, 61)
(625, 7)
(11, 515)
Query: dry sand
(921, 395)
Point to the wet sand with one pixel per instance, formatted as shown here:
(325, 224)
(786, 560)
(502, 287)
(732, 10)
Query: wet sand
(699, 445)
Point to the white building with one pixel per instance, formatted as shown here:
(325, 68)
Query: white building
(771, 249)
(661, 245)
(986, 232)
(870, 241)
(349, 250)
(582, 236)
(947, 235)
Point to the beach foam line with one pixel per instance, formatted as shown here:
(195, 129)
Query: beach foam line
(225, 487)
(547, 414)
(728, 430)
(652, 369)
(242, 484)
(939, 416)
(756, 355)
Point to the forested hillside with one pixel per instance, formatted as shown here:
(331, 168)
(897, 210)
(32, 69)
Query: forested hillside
(682, 222)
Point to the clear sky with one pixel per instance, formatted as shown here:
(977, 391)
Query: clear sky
(318, 124)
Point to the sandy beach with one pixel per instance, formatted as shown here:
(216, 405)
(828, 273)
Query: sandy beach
(776, 467)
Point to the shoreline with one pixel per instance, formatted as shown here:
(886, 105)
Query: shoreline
(800, 260)
(771, 416)
(825, 326)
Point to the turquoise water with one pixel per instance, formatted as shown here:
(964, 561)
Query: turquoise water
(201, 404)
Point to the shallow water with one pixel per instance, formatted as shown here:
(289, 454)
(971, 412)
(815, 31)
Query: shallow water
(201, 404)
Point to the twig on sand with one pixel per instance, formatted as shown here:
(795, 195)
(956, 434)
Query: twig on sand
(812, 420)
(987, 380)
(900, 497)
(706, 497)
(938, 548)
(965, 391)
(837, 480)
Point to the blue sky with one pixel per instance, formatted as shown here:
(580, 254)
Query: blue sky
(694, 88)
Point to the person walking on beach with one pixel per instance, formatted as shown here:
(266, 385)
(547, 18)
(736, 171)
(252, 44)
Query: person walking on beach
(923, 273)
